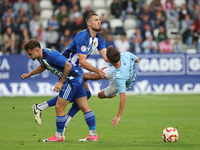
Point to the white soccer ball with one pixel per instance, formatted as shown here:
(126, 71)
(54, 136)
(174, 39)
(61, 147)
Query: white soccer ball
(170, 134)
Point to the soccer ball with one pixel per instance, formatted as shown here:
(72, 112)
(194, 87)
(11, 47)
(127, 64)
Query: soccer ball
(170, 134)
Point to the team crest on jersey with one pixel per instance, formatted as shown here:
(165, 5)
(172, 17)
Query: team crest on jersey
(83, 48)
(95, 43)
(49, 49)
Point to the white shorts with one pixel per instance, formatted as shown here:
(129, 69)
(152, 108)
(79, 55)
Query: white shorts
(110, 76)
(109, 73)
(112, 88)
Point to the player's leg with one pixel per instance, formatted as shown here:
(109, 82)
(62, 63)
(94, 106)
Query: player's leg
(101, 94)
(82, 103)
(110, 91)
(60, 120)
(87, 90)
(38, 108)
(87, 76)
(89, 118)
(74, 109)
(68, 92)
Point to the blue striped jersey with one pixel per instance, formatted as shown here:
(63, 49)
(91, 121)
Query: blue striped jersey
(55, 62)
(83, 43)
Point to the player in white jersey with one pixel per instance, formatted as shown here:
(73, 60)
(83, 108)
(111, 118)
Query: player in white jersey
(122, 75)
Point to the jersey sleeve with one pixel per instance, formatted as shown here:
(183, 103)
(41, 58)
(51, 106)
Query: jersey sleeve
(81, 46)
(133, 56)
(121, 85)
(101, 43)
(60, 61)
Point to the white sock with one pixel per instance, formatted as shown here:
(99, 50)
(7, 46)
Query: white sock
(42, 106)
(68, 120)
(59, 134)
(92, 132)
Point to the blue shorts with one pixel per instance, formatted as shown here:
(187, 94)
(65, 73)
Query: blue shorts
(73, 89)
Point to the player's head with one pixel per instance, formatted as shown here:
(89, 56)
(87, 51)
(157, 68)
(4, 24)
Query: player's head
(93, 22)
(32, 48)
(113, 54)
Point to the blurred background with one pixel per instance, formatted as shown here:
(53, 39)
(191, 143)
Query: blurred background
(163, 33)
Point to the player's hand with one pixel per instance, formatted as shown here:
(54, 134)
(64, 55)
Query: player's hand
(103, 68)
(25, 75)
(58, 86)
(101, 73)
(115, 121)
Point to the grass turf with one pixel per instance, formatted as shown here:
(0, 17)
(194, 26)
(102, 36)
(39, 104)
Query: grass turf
(141, 125)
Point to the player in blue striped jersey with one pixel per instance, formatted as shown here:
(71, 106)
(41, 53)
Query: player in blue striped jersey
(84, 43)
(70, 87)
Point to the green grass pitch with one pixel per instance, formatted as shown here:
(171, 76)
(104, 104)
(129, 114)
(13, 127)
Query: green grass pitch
(140, 128)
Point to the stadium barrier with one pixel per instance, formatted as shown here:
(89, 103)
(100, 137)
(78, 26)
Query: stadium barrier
(156, 74)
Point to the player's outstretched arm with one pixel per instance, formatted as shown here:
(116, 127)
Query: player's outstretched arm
(37, 70)
(103, 54)
(121, 109)
(66, 71)
(92, 76)
(83, 63)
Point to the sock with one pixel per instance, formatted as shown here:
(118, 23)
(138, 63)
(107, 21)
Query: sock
(74, 109)
(59, 134)
(60, 123)
(68, 120)
(42, 106)
(52, 102)
(92, 132)
(88, 93)
(90, 120)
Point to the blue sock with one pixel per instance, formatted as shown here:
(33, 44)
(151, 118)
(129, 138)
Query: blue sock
(74, 109)
(52, 102)
(88, 93)
(90, 120)
(60, 123)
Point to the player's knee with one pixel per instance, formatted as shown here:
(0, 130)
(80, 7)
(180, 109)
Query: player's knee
(85, 109)
(101, 95)
(58, 109)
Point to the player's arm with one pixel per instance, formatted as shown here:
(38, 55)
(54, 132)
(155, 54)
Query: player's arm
(92, 76)
(103, 54)
(137, 60)
(121, 109)
(83, 63)
(66, 71)
(37, 70)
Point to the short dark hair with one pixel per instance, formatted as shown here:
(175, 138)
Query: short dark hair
(31, 44)
(113, 54)
(90, 16)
